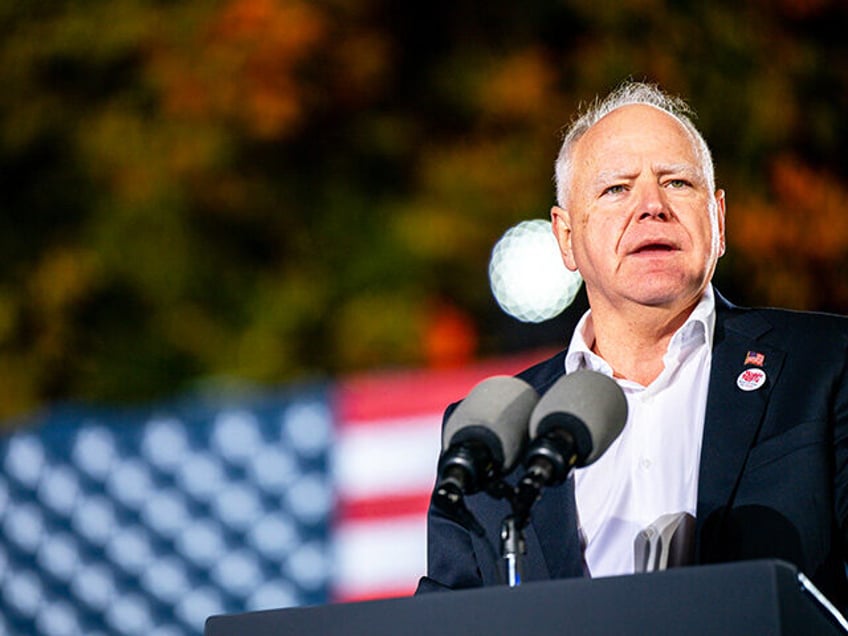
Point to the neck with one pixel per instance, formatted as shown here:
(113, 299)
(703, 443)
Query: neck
(634, 342)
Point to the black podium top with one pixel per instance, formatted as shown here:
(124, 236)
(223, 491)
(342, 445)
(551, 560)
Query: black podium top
(750, 598)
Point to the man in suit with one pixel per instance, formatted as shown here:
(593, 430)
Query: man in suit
(737, 417)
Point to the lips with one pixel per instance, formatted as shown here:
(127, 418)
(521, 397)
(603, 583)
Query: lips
(653, 246)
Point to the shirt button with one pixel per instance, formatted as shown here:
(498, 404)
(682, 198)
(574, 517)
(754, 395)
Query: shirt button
(645, 463)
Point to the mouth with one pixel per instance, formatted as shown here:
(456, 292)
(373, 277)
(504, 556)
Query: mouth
(653, 247)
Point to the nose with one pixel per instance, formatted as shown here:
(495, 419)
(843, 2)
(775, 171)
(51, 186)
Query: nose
(652, 203)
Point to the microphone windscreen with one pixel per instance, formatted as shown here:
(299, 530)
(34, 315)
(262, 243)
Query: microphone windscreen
(590, 405)
(498, 408)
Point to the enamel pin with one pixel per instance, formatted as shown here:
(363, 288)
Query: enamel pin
(754, 358)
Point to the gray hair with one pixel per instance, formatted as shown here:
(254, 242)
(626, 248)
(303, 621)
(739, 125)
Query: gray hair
(627, 94)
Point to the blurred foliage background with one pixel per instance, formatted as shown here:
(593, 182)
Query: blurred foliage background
(265, 190)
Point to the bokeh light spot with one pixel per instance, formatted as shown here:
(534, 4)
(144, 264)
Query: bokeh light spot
(527, 275)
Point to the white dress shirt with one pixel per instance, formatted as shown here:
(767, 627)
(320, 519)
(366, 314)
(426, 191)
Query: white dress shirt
(652, 468)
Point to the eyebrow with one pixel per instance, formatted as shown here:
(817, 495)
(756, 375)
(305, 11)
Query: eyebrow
(682, 168)
(604, 177)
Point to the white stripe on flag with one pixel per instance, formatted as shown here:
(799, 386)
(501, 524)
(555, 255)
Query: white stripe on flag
(378, 558)
(388, 457)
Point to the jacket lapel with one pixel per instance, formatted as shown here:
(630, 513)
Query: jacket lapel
(733, 416)
(553, 529)
(553, 545)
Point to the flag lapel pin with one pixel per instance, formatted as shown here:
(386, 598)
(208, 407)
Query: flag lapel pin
(754, 358)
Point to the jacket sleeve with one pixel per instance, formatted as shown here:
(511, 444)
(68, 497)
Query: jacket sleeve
(840, 445)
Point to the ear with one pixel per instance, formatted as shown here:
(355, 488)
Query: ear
(720, 209)
(561, 226)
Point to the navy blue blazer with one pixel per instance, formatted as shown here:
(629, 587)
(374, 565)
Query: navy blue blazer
(773, 479)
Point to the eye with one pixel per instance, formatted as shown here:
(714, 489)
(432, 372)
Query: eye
(678, 183)
(614, 189)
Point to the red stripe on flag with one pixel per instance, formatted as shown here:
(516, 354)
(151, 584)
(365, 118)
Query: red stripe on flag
(374, 594)
(383, 507)
(383, 396)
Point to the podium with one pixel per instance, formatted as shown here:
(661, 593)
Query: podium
(750, 598)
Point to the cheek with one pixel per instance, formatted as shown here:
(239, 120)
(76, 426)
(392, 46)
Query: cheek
(709, 234)
(604, 230)
(597, 243)
(597, 233)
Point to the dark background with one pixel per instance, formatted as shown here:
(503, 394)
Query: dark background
(199, 193)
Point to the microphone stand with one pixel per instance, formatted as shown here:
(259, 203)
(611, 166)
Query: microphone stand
(521, 499)
(513, 545)
(513, 549)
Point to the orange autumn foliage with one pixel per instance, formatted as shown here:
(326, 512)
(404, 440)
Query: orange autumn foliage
(242, 64)
(796, 244)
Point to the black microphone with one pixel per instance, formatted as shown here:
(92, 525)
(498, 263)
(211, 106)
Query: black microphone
(571, 426)
(483, 438)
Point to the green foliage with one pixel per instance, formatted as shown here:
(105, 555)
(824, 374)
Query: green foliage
(264, 189)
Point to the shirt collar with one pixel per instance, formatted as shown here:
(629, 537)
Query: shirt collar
(697, 329)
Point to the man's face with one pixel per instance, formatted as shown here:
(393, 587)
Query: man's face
(640, 221)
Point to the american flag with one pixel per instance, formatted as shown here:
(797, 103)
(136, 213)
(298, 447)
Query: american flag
(149, 520)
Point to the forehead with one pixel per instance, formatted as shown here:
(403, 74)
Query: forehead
(636, 130)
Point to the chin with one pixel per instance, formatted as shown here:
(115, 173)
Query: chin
(656, 294)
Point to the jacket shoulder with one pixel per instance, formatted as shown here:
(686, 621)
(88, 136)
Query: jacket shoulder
(543, 374)
(787, 324)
